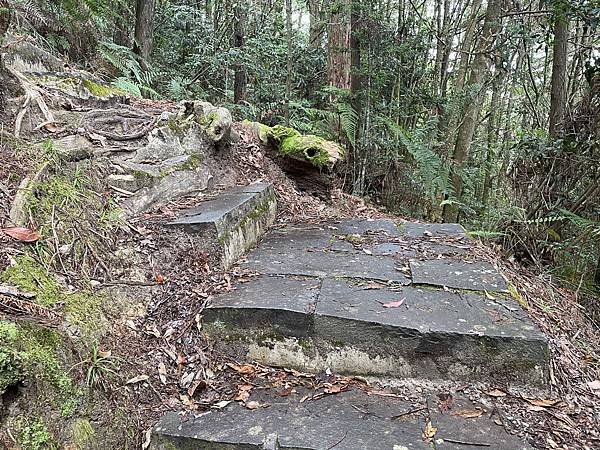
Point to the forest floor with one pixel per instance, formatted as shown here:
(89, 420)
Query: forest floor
(142, 357)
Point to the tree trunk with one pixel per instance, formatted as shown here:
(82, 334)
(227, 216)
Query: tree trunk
(339, 43)
(558, 95)
(4, 24)
(240, 79)
(449, 120)
(315, 28)
(288, 81)
(356, 97)
(472, 108)
(144, 24)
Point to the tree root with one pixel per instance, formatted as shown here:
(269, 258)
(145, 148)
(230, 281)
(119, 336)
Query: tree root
(125, 117)
(33, 94)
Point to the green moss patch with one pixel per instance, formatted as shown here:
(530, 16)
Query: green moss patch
(100, 90)
(291, 143)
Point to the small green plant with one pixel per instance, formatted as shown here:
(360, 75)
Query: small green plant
(100, 367)
(34, 435)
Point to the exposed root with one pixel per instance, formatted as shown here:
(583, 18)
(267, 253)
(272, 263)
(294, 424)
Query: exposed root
(32, 94)
(134, 123)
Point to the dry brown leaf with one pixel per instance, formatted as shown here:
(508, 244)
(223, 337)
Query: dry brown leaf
(137, 379)
(496, 393)
(394, 304)
(222, 404)
(245, 369)
(197, 384)
(468, 413)
(21, 234)
(595, 387)
(253, 405)
(541, 402)
(162, 373)
(429, 432)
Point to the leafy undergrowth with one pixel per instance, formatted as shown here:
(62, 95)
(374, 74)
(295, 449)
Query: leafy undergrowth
(52, 379)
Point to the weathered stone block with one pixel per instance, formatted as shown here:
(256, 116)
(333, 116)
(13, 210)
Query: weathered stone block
(234, 221)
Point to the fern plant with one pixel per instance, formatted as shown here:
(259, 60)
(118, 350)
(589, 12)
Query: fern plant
(133, 79)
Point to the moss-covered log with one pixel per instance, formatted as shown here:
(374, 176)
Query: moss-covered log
(315, 150)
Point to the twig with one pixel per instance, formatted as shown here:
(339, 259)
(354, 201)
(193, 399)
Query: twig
(407, 413)
(456, 441)
(338, 442)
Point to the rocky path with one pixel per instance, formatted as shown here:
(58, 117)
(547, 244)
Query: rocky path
(372, 299)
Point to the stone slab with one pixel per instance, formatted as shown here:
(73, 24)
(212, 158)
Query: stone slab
(477, 276)
(234, 221)
(366, 226)
(475, 432)
(297, 261)
(418, 230)
(349, 420)
(282, 305)
(437, 334)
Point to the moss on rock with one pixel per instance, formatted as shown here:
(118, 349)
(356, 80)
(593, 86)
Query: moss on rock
(291, 143)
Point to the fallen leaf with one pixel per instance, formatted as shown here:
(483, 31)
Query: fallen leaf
(286, 392)
(162, 373)
(222, 404)
(104, 354)
(51, 127)
(159, 278)
(468, 413)
(197, 384)
(540, 402)
(21, 234)
(252, 405)
(245, 369)
(368, 252)
(243, 392)
(198, 320)
(137, 379)
(394, 304)
(429, 432)
(496, 393)
(336, 389)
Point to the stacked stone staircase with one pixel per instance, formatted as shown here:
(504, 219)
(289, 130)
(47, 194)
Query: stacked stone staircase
(359, 297)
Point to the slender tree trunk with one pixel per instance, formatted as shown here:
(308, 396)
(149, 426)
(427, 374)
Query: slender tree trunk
(492, 138)
(240, 81)
(144, 24)
(471, 110)
(558, 94)
(4, 24)
(315, 28)
(288, 81)
(356, 95)
(339, 43)
(449, 120)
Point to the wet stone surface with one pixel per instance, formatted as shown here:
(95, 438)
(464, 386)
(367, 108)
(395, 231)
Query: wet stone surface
(477, 276)
(349, 420)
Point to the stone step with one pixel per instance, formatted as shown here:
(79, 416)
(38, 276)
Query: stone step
(233, 222)
(345, 421)
(326, 299)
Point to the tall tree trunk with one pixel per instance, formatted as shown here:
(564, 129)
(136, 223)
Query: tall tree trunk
(449, 120)
(288, 81)
(492, 138)
(338, 45)
(472, 108)
(4, 24)
(240, 81)
(558, 94)
(144, 27)
(356, 96)
(315, 28)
